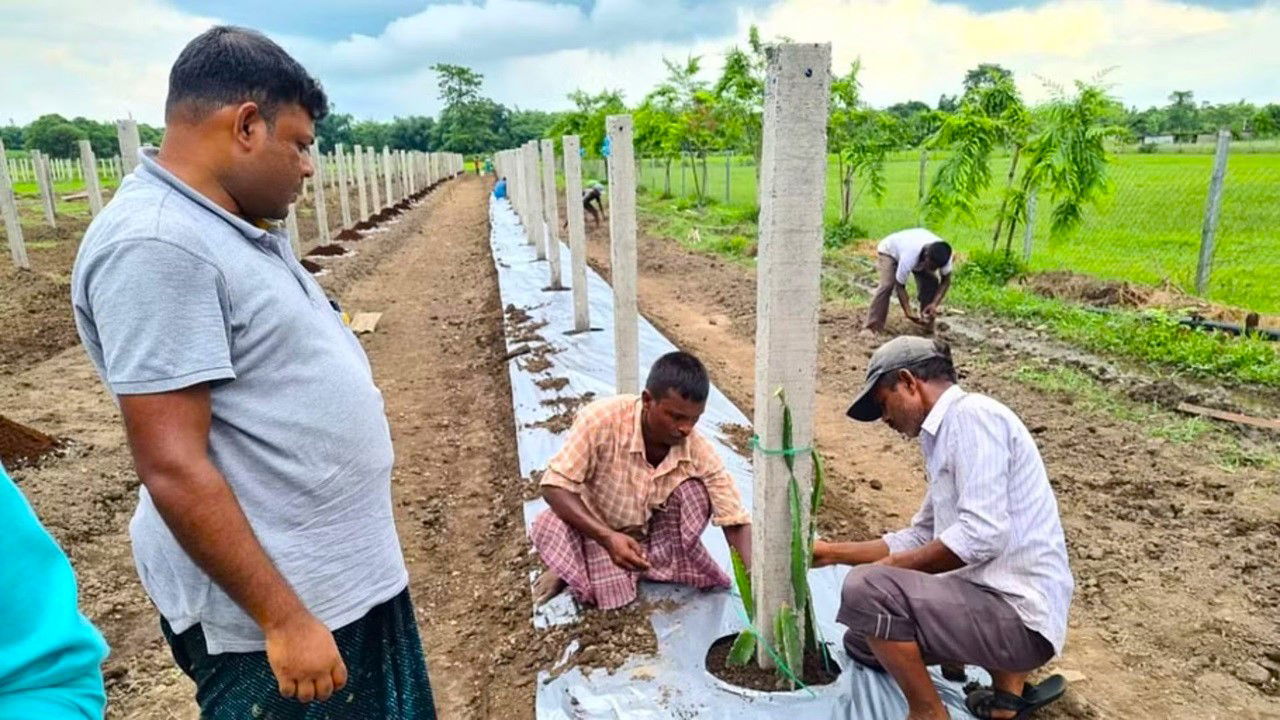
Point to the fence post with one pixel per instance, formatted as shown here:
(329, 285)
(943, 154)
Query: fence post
(344, 202)
(386, 174)
(362, 188)
(322, 210)
(12, 223)
(291, 229)
(924, 174)
(1212, 210)
(40, 163)
(728, 162)
(792, 197)
(534, 232)
(550, 212)
(1029, 230)
(577, 232)
(622, 222)
(89, 168)
(682, 183)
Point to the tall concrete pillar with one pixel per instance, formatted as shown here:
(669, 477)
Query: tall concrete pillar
(322, 210)
(577, 232)
(89, 167)
(793, 171)
(622, 218)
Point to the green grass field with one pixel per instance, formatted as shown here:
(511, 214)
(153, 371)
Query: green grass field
(1146, 231)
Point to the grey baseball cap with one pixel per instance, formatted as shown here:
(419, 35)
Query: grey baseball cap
(894, 355)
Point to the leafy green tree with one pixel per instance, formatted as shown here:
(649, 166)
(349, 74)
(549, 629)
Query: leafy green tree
(984, 76)
(335, 128)
(860, 138)
(991, 116)
(53, 135)
(1182, 117)
(526, 125)
(12, 136)
(415, 132)
(586, 119)
(458, 84)
(740, 94)
(1067, 158)
(371, 133)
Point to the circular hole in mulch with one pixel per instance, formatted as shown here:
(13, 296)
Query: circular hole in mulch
(752, 677)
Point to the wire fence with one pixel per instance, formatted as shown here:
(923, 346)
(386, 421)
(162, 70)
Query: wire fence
(1147, 230)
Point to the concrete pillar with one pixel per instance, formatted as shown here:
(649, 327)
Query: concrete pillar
(12, 223)
(577, 232)
(622, 252)
(403, 160)
(291, 229)
(550, 211)
(361, 188)
(793, 170)
(532, 200)
(386, 175)
(1212, 209)
(40, 161)
(89, 167)
(322, 210)
(371, 161)
(344, 199)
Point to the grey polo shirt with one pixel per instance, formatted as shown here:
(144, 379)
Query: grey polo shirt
(170, 291)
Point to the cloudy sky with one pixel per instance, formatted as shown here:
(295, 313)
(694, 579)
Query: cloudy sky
(109, 58)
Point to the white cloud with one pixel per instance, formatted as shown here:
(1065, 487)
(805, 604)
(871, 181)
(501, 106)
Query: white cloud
(107, 58)
(97, 59)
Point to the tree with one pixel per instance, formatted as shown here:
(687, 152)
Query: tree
(740, 93)
(415, 132)
(991, 116)
(12, 136)
(370, 133)
(1067, 157)
(458, 84)
(526, 125)
(473, 127)
(53, 135)
(984, 76)
(1182, 115)
(861, 138)
(334, 128)
(586, 119)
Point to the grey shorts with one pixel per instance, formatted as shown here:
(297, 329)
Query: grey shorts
(950, 618)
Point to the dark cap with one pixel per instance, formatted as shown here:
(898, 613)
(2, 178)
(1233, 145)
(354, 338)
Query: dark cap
(892, 356)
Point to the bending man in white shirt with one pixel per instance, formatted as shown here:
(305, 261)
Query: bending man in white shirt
(910, 252)
(981, 575)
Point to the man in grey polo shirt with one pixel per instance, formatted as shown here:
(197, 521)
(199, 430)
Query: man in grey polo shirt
(264, 531)
(981, 575)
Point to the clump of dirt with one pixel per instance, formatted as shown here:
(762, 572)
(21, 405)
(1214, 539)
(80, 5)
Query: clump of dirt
(1067, 285)
(516, 315)
(35, 304)
(739, 437)
(554, 384)
(309, 266)
(21, 446)
(751, 676)
(606, 638)
(331, 250)
(536, 364)
(349, 235)
(563, 420)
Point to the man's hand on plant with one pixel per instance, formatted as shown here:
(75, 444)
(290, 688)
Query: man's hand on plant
(930, 311)
(625, 552)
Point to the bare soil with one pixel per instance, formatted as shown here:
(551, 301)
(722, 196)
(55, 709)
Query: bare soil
(1177, 612)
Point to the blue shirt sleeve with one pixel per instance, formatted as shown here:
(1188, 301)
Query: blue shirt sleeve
(50, 654)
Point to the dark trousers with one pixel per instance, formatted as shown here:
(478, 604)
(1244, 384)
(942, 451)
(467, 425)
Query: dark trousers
(951, 619)
(386, 673)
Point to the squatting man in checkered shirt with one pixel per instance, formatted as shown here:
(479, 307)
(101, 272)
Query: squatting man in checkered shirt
(981, 575)
(631, 492)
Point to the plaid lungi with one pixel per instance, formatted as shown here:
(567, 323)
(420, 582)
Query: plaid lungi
(673, 547)
(386, 673)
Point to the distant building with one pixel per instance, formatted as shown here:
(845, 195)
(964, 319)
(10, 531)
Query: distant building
(1157, 140)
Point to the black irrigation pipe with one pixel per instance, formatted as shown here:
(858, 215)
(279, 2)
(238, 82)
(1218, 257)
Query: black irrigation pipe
(1199, 323)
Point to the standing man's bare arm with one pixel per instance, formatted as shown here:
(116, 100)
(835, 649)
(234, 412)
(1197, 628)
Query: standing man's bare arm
(168, 435)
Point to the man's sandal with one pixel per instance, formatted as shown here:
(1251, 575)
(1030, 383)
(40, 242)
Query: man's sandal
(982, 701)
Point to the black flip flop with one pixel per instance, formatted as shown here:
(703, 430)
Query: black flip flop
(982, 701)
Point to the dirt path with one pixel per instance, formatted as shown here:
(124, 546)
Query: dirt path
(1176, 560)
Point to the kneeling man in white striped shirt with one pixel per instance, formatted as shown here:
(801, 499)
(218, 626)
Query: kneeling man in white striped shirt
(981, 575)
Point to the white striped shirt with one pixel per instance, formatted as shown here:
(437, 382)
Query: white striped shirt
(989, 501)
